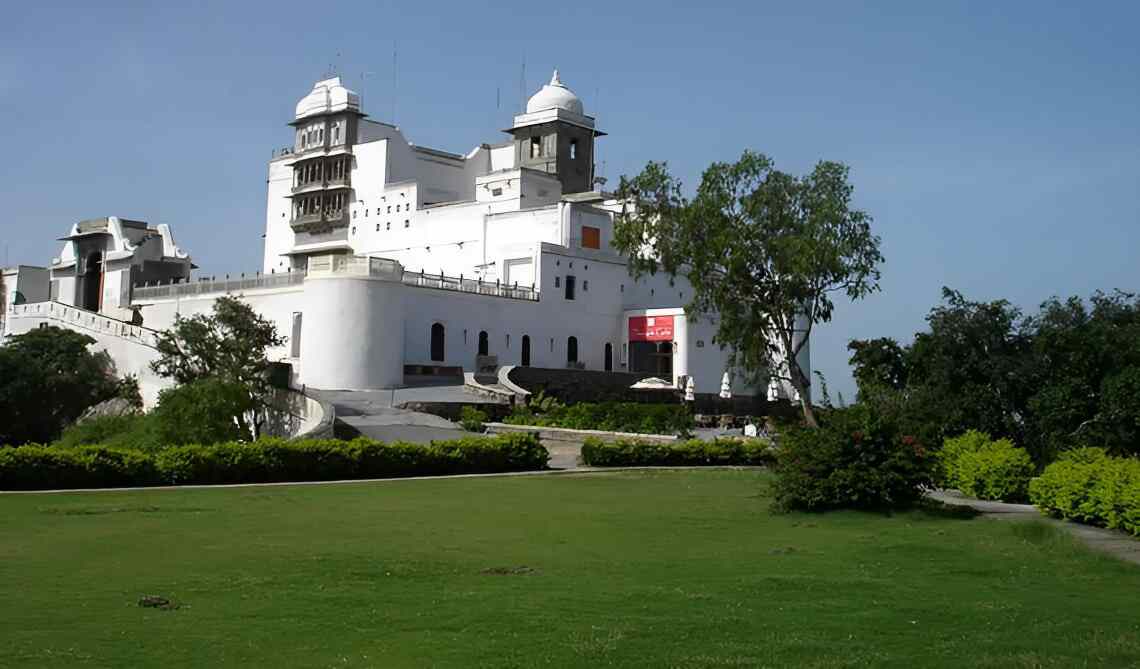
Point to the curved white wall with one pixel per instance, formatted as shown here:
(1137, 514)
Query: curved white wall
(352, 333)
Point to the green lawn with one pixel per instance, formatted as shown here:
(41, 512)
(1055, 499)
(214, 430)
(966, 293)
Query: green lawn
(684, 569)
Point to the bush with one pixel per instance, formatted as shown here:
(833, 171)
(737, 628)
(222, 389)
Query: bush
(132, 431)
(472, 419)
(206, 411)
(1090, 487)
(263, 461)
(986, 469)
(609, 416)
(997, 471)
(689, 453)
(953, 448)
(856, 459)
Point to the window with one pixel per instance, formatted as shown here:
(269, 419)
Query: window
(535, 147)
(609, 359)
(336, 134)
(295, 339)
(483, 342)
(569, 287)
(389, 209)
(573, 149)
(585, 285)
(496, 192)
(437, 342)
(571, 350)
(508, 342)
(377, 227)
(388, 225)
(526, 351)
(591, 237)
(407, 223)
(557, 282)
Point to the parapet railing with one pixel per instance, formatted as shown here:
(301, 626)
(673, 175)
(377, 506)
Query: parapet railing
(215, 285)
(82, 319)
(475, 286)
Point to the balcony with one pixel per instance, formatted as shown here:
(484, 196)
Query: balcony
(321, 184)
(318, 221)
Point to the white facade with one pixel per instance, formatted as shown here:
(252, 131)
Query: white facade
(379, 254)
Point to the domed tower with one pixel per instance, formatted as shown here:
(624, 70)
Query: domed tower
(556, 136)
(325, 122)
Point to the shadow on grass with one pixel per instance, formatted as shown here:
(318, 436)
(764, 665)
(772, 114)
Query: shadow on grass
(935, 509)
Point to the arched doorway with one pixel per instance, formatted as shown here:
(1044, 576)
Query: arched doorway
(526, 351)
(437, 342)
(483, 346)
(609, 357)
(92, 283)
(572, 350)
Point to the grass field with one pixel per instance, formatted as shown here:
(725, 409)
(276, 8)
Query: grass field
(685, 569)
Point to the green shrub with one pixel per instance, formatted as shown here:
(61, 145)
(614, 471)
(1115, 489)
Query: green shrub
(134, 431)
(856, 459)
(983, 468)
(206, 411)
(997, 471)
(1088, 486)
(688, 453)
(472, 419)
(263, 461)
(954, 448)
(609, 416)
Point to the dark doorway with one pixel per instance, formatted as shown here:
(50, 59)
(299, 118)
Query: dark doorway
(526, 351)
(92, 282)
(572, 350)
(437, 342)
(482, 342)
(609, 357)
(652, 358)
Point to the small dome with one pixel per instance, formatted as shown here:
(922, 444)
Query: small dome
(554, 95)
(328, 95)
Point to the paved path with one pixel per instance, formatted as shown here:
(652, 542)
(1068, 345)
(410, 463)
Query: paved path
(373, 413)
(1117, 544)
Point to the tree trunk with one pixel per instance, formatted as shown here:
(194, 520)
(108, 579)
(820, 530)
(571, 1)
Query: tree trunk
(799, 382)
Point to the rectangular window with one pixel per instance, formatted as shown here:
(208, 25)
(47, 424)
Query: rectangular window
(295, 339)
(557, 282)
(569, 287)
(573, 149)
(535, 147)
(496, 192)
(591, 237)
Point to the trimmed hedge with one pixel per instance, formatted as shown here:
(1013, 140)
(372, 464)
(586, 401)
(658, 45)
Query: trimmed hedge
(264, 461)
(609, 416)
(689, 453)
(1088, 486)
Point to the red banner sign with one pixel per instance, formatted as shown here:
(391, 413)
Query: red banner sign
(651, 328)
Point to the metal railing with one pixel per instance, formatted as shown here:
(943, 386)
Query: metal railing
(82, 319)
(214, 285)
(475, 286)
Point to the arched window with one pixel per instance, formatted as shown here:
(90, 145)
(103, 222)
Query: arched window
(526, 351)
(572, 350)
(609, 357)
(482, 342)
(437, 342)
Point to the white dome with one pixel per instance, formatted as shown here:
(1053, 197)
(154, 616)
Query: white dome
(554, 95)
(328, 95)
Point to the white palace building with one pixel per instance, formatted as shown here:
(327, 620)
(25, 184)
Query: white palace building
(381, 254)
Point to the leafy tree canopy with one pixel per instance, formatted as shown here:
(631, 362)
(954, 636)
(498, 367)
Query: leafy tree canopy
(229, 344)
(47, 378)
(765, 250)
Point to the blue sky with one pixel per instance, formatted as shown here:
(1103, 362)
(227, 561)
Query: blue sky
(994, 143)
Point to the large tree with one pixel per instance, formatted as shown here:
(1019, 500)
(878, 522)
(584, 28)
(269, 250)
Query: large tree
(764, 250)
(230, 345)
(48, 376)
